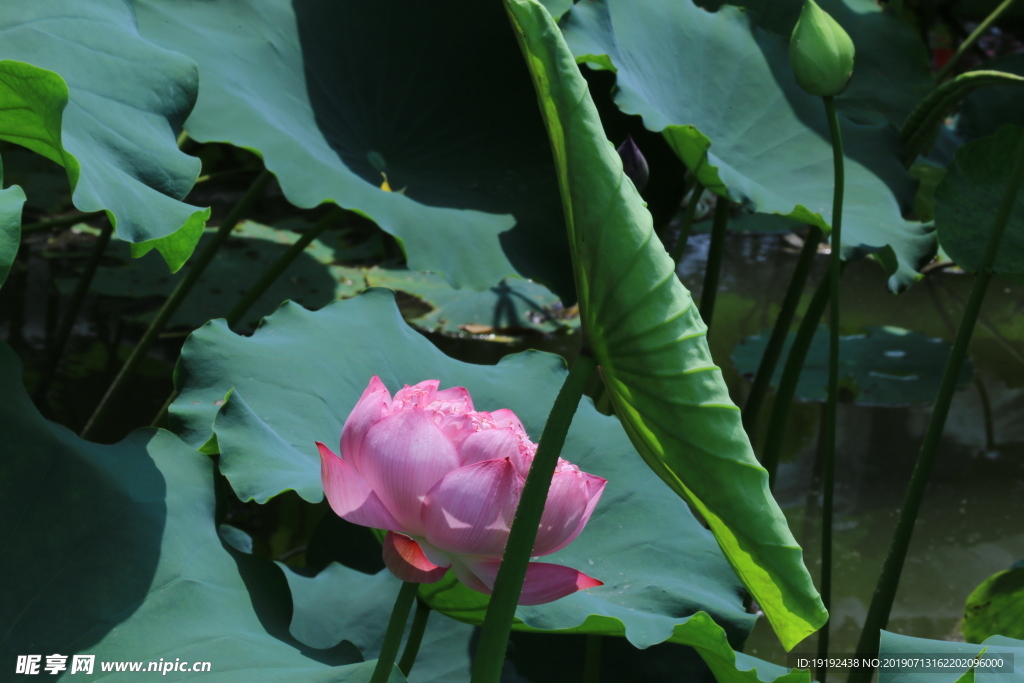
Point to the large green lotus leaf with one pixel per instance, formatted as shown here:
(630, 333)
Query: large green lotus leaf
(341, 603)
(900, 646)
(996, 607)
(698, 631)
(985, 110)
(313, 280)
(722, 92)
(333, 94)
(322, 602)
(11, 201)
(295, 380)
(107, 105)
(884, 366)
(112, 551)
(646, 334)
(968, 197)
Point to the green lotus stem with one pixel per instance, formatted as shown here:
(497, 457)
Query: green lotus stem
(715, 253)
(280, 265)
(973, 38)
(56, 350)
(687, 226)
(161, 417)
(779, 417)
(59, 222)
(412, 646)
(885, 589)
(174, 300)
(393, 636)
(828, 463)
(777, 340)
(490, 654)
(592, 660)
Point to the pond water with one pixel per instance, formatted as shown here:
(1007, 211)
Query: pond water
(972, 521)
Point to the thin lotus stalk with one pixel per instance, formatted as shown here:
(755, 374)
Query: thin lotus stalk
(715, 254)
(276, 269)
(490, 655)
(973, 38)
(779, 417)
(412, 645)
(161, 417)
(56, 350)
(592, 660)
(174, 300)
(393, 636)
(885, 589)
(997, 336)
(777, 339)
(687, 226)
(828, 462)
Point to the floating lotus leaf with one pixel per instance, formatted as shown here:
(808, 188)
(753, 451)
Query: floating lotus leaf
(884, 366)
(995, 607)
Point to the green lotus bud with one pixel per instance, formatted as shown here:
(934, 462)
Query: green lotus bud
(820, 52)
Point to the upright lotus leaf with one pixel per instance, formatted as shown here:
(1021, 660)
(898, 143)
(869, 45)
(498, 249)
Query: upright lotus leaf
(107, 105)
(996, 607)
(884, 366)
(647, 336)
(295, 380)
(114, 553)
(334, 95)
(723, 94)
(343, 604)
(996, 647)
(11, 201)
(967, 199)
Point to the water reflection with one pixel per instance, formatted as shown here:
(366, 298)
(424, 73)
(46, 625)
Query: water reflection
(972, 520)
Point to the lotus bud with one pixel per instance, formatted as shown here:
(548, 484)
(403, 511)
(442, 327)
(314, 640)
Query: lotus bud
(633, 163)
(820, 52)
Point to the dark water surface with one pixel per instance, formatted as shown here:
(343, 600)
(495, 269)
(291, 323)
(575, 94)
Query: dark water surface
(972, 521)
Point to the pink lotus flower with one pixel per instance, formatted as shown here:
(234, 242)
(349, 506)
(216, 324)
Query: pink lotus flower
(444, 480)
